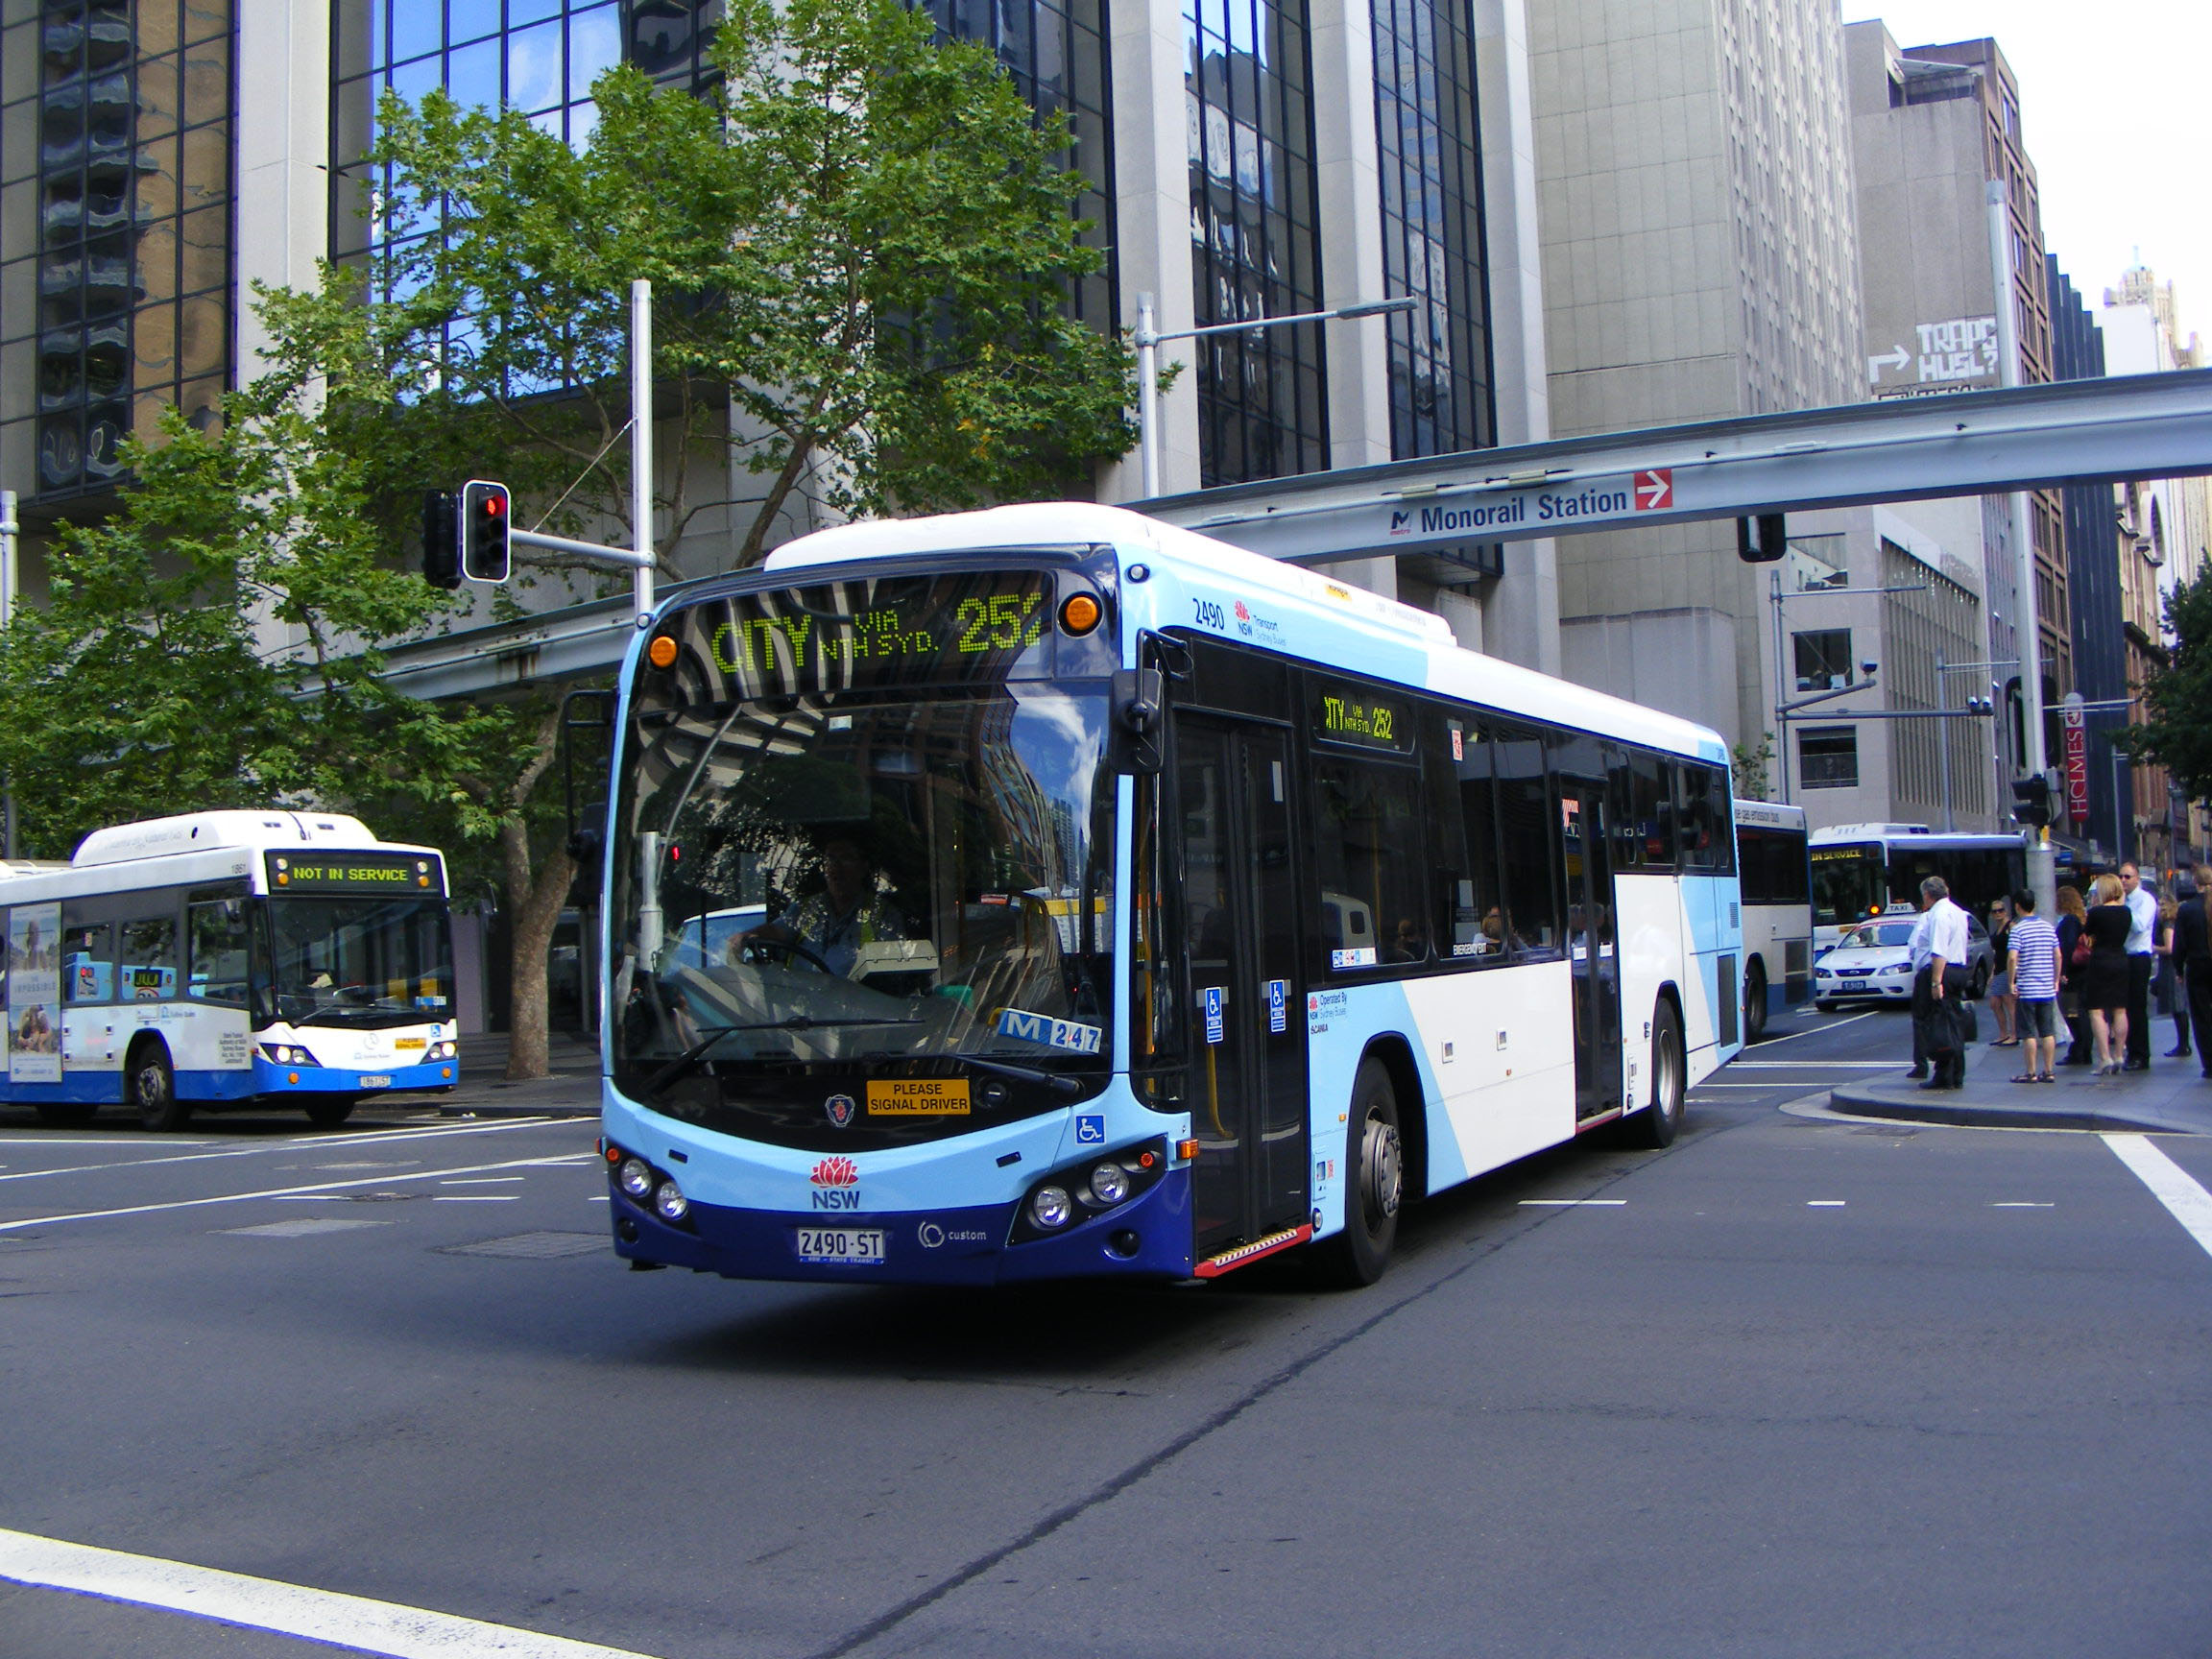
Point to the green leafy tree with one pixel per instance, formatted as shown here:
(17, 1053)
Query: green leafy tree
(860, 243)
(2178, 735)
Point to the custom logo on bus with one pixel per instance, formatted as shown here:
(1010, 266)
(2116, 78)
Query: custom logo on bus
(836, 1184)
(841, 1109)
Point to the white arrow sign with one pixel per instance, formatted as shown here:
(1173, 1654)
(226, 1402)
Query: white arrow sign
(1896, 358)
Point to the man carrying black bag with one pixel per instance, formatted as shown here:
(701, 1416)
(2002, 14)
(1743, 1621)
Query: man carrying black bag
(1940, 989)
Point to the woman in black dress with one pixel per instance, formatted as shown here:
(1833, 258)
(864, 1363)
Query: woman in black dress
(2105, 986)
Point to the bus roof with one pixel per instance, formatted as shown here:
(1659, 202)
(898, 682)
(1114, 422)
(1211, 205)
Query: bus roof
(1452, 670)
(248, 831)
(1771, 813)
(1914, 835)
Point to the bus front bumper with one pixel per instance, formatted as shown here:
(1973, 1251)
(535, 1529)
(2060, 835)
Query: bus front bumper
(272, 1082)
(1147, 1237)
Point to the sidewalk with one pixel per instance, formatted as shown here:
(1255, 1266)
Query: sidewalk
(572, 1092)
(2174, 1098)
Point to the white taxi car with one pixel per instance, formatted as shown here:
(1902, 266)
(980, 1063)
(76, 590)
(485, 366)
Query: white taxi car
(1873, 963)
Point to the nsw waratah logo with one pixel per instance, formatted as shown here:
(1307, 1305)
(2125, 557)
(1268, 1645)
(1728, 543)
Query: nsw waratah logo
(839, 1171)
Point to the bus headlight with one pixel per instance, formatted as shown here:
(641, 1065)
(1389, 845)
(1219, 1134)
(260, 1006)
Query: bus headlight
(1050, 1207)
(1109, 1183)
(635, 1178)
(670, 1202)
(289, 1054)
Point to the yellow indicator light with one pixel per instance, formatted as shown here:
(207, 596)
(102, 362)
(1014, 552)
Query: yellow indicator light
(282, 880)
(421, 881)
(1079, 614)
(446, 1072)
(1186, 1150)
(662, 653)
(291, 1076)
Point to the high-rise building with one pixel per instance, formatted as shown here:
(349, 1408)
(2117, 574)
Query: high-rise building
(1246, 159)
(1700, 262)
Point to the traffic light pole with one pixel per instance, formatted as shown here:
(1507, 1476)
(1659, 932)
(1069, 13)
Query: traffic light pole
(9, 529)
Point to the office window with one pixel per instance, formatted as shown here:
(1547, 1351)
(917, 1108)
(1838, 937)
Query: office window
(115, 190)
(1828, 756)
(1254, 252)
(1431, 168)
(1823, 660)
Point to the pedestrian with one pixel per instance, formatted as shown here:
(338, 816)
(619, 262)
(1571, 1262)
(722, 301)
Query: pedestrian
(1943, 986)
(2193, 957)
(2035, 966)
(2001, 973)
(1916, 959)
(2174, 991)
(2143, 911)
(2107, 982)
(2072, 915)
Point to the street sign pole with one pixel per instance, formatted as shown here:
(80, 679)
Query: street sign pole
(9, 529)
(641, 444)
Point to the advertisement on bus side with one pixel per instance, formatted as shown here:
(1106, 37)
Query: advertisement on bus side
(34, 994)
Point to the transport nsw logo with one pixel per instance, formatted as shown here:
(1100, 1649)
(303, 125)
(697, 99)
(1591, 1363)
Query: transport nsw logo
(836, 1184)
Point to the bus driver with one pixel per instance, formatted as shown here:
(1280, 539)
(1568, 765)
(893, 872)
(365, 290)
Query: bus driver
(833, 923)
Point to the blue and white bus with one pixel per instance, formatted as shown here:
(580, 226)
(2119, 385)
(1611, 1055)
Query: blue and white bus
(1778, 884)
(1120, 902)
(224, 960)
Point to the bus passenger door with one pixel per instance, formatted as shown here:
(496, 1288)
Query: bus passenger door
(1247, 1087)
(1593, 945)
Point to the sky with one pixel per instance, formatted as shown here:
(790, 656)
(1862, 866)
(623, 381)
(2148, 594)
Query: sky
(2116, 113)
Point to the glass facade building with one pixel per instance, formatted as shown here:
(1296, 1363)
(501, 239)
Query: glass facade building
(1430, 169)
(1255, 247)
(116, 230)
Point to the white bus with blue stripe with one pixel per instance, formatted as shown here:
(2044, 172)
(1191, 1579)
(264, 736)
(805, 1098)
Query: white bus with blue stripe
(1120, 902)
(228, 959)
(1776, 879)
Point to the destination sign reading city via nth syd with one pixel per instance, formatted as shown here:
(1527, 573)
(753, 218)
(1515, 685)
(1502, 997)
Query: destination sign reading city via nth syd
(907, 631)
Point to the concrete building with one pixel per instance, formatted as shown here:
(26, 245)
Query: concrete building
(1700, 262)
(1934, 128)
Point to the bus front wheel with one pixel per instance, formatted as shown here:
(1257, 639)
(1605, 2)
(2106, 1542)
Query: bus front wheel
(153, 1088)
(1375, 1169)
(1658, 1123)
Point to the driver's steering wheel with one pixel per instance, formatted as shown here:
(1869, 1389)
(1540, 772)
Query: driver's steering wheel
(757, 949)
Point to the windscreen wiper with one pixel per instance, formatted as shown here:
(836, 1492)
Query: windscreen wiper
(715, 1033)
(1052, 1080)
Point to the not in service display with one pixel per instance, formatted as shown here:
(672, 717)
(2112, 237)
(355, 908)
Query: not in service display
(394, 875)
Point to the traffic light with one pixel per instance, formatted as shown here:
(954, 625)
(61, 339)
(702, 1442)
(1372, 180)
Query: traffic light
(1763, 539)
(440, 551)
(484, 554)
(2031, 800)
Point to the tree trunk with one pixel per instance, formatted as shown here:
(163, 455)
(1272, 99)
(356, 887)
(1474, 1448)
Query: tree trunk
(535, 909)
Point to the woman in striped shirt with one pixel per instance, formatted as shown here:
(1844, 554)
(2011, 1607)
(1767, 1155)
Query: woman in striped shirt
(2034, 962)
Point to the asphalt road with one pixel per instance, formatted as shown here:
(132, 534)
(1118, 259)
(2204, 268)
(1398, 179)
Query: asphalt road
(1797, 1385)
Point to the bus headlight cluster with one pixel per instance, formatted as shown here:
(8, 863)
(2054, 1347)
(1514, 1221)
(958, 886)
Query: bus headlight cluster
(1083, 1192)
(442, 1051)
(289, 1054)
(647, 1186)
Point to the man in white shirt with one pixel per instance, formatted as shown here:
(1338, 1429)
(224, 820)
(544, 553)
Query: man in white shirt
(1947, 978)
(2143, 912)
(1916, 958)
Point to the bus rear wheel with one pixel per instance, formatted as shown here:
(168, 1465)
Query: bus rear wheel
(153, 1083)
(1754, 1002)
(1375, 1168)
(329, 1111)
(1658, 1123)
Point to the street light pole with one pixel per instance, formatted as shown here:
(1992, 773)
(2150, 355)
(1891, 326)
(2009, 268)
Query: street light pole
(641, 444)
(9, 528)
(1147, 339)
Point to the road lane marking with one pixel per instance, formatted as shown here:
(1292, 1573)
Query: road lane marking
(254, 1151)
(1816, 1031)
(304, 1192)
(477, 1198)
(480, 1181)
(1813, 1065)
(1561, 1203)
(356, 1622)
(2021, 1204)
(2170, 1184)
(1824, 1203)
(1695, 1087)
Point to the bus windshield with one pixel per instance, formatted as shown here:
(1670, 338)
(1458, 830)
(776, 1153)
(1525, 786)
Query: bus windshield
(361, 962)
(910, 883)
(1847, 883)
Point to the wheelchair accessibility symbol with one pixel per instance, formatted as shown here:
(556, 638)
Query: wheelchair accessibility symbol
(1090, 1129)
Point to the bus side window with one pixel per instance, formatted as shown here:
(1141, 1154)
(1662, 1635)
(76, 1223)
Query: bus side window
(1525, 839)
(1708, 839)
(89, 963)
(149, 960)
(1463, 807)
(1368, 864)
(1156, 1020)
(218, 934)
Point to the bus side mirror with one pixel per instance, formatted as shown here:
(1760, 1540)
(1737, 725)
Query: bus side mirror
(1139, 717)
(586, 846)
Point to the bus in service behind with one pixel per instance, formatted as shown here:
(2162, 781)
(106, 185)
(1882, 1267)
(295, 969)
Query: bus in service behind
(228, 959)
(1866, 870)
(1778, 884)
(1048, 892)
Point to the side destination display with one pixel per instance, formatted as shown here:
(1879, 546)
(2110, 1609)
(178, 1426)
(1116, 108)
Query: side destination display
(399, 875)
